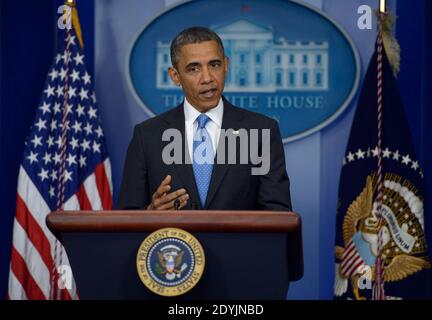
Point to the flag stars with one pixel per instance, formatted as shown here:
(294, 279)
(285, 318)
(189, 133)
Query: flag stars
(59, 142)
(56, 108)
(350, 157)
(77, 127)
(69, 108)
(47, 158)
(53, 175)
(66, 57)
(80, 110)
(57, 158)
(415, 165)
(96, 147)
(82, 161)
(344, 161)
(51, 192)
(386, 153)
(50, 141)
(71, 92)
(58, 58)
(45, 107)
(88, 128)
(71, 159)
(74, 143)
(375, 152)
(63, 74)
(68, 176)
(94, 97)
(86, 78)
(43, 174)
(79, 59)
(85, 145)
(32, 157)
(75, 75)
(406, 160)
(83, 94)
(396, 155)
(36, 141)
(92, 113)
(59, 91)
(49, 91)
(100, 133)
(71, 40)
(40, 124)
(360, 154)
(53, 125)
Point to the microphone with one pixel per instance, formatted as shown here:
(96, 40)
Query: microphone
(176, 204)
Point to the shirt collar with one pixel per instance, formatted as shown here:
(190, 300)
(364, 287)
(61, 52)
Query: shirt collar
(215, 114)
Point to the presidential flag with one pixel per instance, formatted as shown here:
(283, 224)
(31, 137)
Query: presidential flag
(65, 166)
(381, 250)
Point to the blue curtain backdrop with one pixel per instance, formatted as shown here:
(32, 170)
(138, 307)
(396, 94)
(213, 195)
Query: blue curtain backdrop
(28, 31)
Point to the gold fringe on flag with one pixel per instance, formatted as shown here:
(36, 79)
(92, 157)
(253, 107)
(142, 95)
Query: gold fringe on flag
(392, 49)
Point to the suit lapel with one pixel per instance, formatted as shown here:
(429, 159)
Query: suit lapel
(231, 120)
(176, 120)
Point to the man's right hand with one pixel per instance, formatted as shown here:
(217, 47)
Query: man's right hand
(162, 200)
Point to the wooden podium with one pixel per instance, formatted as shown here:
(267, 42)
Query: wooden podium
(249, 254)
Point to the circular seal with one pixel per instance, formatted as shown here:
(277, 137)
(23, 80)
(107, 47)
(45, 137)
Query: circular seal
(170, 262)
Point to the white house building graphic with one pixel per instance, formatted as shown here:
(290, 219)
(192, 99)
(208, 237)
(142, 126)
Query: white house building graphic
(261, 63)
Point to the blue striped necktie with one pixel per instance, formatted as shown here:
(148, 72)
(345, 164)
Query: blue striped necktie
(203, 158)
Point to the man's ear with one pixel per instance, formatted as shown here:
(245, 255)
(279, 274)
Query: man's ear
(174, 76)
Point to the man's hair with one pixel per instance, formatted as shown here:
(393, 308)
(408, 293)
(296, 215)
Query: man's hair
(190, 36)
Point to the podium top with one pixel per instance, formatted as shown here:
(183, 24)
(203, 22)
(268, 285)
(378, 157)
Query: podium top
(194, 220)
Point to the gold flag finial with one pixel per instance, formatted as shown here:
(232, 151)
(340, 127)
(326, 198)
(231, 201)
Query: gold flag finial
(383, 6)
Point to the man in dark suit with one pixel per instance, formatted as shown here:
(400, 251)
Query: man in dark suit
(199, 178)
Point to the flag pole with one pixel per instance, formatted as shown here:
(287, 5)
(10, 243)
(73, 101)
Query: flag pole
(58, 251)
(378, 292)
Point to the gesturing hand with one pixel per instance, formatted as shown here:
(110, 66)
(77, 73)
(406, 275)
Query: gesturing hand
(162, 200)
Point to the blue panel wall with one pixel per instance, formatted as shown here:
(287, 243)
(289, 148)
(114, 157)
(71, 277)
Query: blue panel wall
(27, 48)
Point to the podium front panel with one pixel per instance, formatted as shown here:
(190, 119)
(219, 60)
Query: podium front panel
(238, 266)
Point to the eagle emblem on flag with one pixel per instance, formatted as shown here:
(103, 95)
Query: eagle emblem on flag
(403, 236)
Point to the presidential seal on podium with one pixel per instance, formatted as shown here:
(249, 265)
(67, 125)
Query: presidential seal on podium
(170, 262)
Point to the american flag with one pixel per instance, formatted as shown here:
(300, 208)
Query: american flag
(65, 166)
(351, 261)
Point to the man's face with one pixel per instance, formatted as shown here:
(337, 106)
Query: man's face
(201, 72)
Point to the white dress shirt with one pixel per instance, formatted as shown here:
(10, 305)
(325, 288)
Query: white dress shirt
(213, 125)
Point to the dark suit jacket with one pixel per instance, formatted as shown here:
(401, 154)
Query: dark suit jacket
(232, 186)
